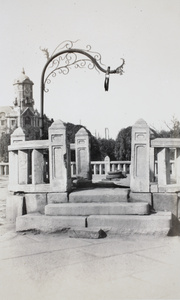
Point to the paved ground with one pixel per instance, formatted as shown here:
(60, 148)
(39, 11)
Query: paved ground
(56, 267)
(3, 194)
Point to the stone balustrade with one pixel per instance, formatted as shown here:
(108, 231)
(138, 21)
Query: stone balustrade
(172, 170)
(29, 166)
(41, 166)
(103, 167)
(167, 171)
(98, 168)
(33, 164)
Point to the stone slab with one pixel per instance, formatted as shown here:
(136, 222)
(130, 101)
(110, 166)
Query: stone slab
(140, 197)
(169, 188)
(14, 207)
(35, 203)
(100, 195)
(87, 233)
(36, 188)
(57, 198)
(154, 187)
(48, 224)
(166, 202)
(86, 209)
(128, 225)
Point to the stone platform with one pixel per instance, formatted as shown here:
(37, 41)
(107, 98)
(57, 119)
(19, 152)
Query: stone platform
(105, 209)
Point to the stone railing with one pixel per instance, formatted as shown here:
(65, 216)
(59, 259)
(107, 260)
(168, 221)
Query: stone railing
(152, 169)
(167, 171)
(4, 169)
(29, 163)
(41, 166)
(44, 166)
(103, 167)
(172, 169)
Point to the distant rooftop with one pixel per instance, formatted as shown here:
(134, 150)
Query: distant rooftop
(8, 111)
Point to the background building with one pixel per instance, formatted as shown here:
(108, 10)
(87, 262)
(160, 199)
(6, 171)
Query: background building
(22, 113)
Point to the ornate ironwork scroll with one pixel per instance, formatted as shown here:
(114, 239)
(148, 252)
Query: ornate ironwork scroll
(66, 56)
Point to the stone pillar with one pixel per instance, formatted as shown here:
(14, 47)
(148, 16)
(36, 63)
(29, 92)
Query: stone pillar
(83, 164)
(152, 165)
(124, 168)
(107, 164)
(163, 166)
(6, 170)
(59, 158)
(140, 161)
(23, 167)
(13, 167)
(177, 162)
(37, 166)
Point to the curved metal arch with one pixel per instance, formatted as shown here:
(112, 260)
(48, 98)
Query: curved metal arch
(107, 72)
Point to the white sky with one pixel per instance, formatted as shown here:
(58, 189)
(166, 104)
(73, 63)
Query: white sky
(146, 33)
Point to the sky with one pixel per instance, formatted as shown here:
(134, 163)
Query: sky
(146, 33)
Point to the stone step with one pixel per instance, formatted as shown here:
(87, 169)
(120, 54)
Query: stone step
(156, 224)
(100, 195)
(87, 209)
(37, 221)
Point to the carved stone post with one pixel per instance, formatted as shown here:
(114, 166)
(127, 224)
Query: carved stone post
(59, 158)
(140, 157)
(83, 164)
(17, 136)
